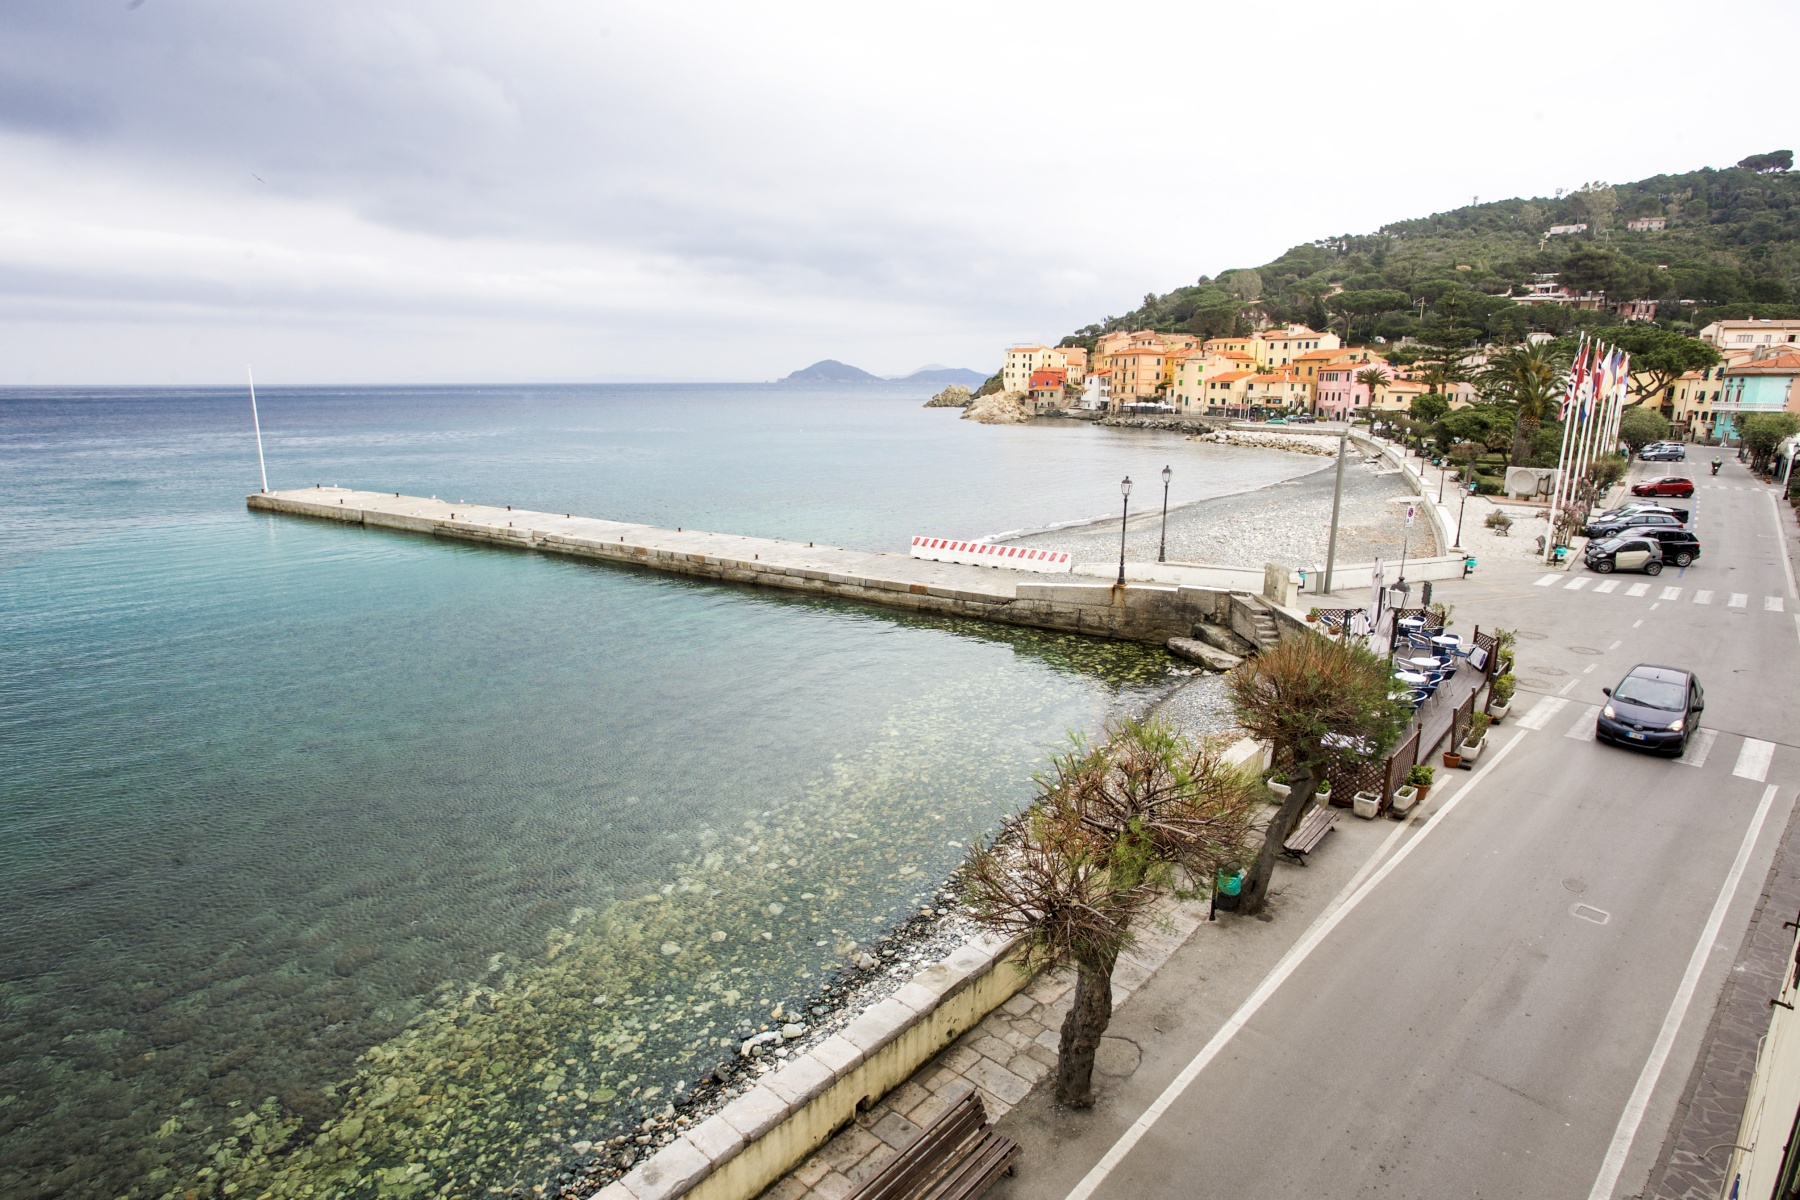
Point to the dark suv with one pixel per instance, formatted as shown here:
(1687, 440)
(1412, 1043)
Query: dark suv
(1613, 526)
(1679, 546)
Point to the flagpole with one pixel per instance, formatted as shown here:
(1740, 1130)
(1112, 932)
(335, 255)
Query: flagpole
(1562, 457)
(1584, 440)
(256, 423)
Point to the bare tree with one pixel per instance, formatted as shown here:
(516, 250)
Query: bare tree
(1319, 702)
(1114, 826)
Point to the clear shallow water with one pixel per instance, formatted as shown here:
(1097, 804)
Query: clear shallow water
(313, 828)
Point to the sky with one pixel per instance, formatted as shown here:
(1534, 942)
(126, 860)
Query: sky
(550, 190)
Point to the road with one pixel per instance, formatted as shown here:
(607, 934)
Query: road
(1476, 1019)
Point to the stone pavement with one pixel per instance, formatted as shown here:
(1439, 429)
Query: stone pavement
(1003, 1057)
(1697, 1150)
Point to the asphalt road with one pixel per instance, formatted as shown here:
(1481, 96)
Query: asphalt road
(1477, 1019)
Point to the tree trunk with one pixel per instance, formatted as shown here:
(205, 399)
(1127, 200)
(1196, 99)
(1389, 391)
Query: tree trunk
(1083, 1028)
(1255, 890)
(1522, 433)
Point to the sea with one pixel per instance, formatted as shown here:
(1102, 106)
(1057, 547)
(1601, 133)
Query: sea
(356, 863)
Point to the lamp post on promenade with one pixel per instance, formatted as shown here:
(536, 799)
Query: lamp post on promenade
(1459, 515)
(1162, 542)
(1125, 515)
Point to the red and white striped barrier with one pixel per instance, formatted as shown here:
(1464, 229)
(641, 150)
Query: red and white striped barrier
(980, 554)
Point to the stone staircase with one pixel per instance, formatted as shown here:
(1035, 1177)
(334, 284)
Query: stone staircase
(1251, 618)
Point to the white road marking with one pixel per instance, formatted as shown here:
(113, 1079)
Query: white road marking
(1575, 584)
(1546, 581)
(1638, 589)
(1771, 603)
(1781, 537)
(1616, 645)
(1542, 711)
(1564, 689)
(1753, 760)
(1589, 669)
(1702, 597)
(1633, 1116)
(1670, 593)
(1699, 746)
(1583, 728)
(1738, 600)
(1656, 606)
(1608, 586)
(1289, 963)
(1637, 622)
(1588, 912)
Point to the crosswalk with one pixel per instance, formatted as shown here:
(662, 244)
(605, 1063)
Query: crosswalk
(1668, 592)
(1753, 759)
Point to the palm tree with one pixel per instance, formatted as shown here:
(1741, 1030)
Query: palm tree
(1531, 378)
(1371, 378)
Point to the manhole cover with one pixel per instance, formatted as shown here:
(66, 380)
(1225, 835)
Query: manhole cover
(1588, 912)
(1532, 685)
(1117, 1056)
(1575, 885)
(1526, 633)
(1550, 670)
(1584, 650)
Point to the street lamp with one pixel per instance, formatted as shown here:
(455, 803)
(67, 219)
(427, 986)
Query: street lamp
(1459, 515)
(1162, 542)
(1125, 491)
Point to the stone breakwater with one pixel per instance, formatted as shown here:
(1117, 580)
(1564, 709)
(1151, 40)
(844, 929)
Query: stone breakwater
(1292, 443)
(1146, 613)
(998, 408)
(954, 396)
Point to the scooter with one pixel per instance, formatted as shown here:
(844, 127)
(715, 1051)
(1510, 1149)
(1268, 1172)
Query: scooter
(1715, 466)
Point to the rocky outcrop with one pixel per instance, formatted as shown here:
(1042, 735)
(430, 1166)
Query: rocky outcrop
(954, 396)
(1299, 443)
(1001, 408)
(1207, 656)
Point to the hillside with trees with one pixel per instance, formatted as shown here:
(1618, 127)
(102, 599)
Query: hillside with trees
(1730, 247)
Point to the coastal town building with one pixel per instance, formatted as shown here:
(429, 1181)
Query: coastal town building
(1048, 389)
(1566, 230)
(1688, 402)
(1022, 360)
(1750, 333)
(1096, 391)
(1647, 224)
(1337, 393)
(1280, 347)
(1763, 383)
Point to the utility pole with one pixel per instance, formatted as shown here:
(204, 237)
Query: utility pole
(1337, 501)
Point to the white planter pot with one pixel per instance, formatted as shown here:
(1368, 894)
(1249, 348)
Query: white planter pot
(1366, 805)
(1471, 751)
(1279, 791)
(1321, 798)
(1404, 799)
(1498, 711)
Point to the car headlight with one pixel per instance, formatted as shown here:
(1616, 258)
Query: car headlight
(1676, 724)
(1608, 711)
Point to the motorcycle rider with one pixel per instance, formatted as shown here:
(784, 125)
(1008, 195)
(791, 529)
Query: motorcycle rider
(1715, 466)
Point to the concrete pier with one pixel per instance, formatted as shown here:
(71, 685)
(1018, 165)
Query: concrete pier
(1135, 612)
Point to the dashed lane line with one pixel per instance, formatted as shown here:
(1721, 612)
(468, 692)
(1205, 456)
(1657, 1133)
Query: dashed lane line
(1638, 589)
(1772, 604)
(1753, 760)
(1738, 600)
(1583, 728)
(1699, 746)
(1540, 714)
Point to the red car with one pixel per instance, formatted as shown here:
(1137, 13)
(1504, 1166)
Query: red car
(1669, 485)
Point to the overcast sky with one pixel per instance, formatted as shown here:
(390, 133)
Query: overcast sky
(374, 191)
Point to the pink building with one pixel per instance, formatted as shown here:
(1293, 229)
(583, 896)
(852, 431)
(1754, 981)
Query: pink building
(1339, 396)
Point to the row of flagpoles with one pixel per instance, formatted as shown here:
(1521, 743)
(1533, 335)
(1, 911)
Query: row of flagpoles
(1592, 405)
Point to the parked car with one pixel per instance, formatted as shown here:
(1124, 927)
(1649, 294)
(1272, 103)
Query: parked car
(1666, 453)
(1638, 506)
(1637, 520)
(1679, 546)
(1657, 708)
(1637, 553)
(1668, 485)
(1276, 421)
(1302, 419)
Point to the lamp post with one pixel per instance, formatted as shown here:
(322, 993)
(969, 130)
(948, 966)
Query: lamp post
(1162, 542)
(1443, 473)
(1459, 515)
(1125, 515)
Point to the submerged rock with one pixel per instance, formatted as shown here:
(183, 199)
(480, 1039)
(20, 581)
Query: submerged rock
(1207, 656)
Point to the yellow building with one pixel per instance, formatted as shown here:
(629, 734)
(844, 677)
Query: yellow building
(1224, 394)
(1278, 390)
(1025, 360)
(1281, 347)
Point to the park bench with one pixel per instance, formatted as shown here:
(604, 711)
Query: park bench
(1305, 839)
(958, 1156)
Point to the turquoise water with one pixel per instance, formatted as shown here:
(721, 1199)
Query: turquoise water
(303, 826)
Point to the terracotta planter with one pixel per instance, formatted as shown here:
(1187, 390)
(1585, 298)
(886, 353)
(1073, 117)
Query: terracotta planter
(1452, 759)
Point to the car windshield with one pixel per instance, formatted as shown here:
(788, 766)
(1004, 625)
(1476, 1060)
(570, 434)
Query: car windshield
(1652, 693)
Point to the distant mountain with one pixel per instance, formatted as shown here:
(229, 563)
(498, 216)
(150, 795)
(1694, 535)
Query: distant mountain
(830, 370)
(946, 375)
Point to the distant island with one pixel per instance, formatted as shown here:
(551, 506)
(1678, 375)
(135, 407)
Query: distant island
(830, 370)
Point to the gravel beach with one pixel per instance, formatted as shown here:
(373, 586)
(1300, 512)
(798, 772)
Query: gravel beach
(1287, 523)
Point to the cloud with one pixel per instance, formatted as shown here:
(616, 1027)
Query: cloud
(560, 189)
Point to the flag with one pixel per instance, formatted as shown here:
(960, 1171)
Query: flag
(1575, 372)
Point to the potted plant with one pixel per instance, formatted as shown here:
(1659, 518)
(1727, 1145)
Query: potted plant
(1500, 694)
(1366, 805)
(1474, 741)
(1322, 794)
(1418, 783)
(1278, 786)
(1312, 615)
(1453, 758)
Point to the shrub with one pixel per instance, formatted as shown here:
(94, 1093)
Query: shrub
(1498, 520)
(1490, 485)
(1478, 727)
(1501, 690)
(1419, 776)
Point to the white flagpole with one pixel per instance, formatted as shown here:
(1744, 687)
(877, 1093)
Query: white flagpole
(1584, 439)
(1567, 414)
(256, 423)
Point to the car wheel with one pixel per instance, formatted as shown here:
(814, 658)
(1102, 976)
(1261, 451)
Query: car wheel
(1653, 568)
(1604, 566)
(1682, 560)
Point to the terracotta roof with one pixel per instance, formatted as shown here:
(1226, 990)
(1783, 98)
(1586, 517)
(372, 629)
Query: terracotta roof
(1048, 378)
(1229, 377)
(1779, 364)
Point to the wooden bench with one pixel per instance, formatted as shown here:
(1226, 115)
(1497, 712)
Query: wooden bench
(958, 1156)
(1305, 839)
